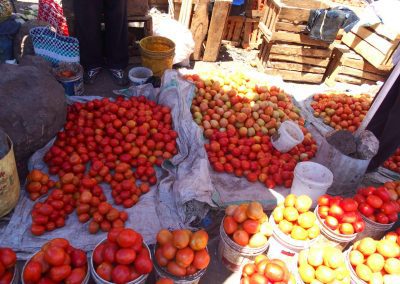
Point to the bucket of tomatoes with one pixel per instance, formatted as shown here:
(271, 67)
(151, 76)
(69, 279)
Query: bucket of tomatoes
(244, 234)
(121, 258)
(181, 255)
(8, 269)
(56, 262)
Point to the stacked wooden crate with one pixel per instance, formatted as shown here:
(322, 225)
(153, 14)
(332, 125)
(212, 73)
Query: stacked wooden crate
(285, 50)
(347, 66)
(233, 30)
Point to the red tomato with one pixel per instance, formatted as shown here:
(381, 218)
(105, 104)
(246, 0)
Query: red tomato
(323, 200)
(98, 254)
(366, 209)
(54, 255)
(110, 250)
(59, 273)
(359, 226)
(120, 274)
(143, 264)
(76, 277)
(331, 222)
(125, 256)
(348, 205)
(104, 270)
(32, 272)
(374, 201)
(382, 218)
(336, 211)
(7, 257)
(127, 238)
(78, 258)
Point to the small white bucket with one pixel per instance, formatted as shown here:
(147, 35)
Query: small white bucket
(330, 237)
(285, 248)
(288, 136)
(162, 273)
(311, 179)
(139, 75)
(234, 256)
(98, 280)
(373, 229)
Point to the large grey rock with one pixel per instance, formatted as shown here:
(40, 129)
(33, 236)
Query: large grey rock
(342, 140)
(367, 145)
(33, 106)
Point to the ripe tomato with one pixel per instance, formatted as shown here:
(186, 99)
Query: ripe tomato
(199, 240)
(180, 239)
(169, 251)
(120, 274)
(161, 260)
(331, 222)
(230, 225)
(59, 273)
(241, 237)
(323, 200)
(164, 236)
(359, 226)
(7, 257)
(374, 201)
(78, 258)
(54, 255)
(76, 277)
(109, 252)
(251, 226)
(98, 254)
(201, 259)
(127, 238)
(32, 272)
(366, 209)
(143, 264)
(184, 257)
(175, 269)
(125, 256)
(382, 218)
(348, 205)
(104, 270)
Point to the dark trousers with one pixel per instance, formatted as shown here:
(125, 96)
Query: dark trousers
(386, 126)
(88, 14)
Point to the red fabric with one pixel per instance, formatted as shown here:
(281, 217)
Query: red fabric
(52, 13)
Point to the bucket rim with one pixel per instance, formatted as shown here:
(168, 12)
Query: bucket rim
(169, 41)
(190, 278)
(244, 249)
(96, 276)
(78, 75)
(296, 128)
(323, 226)
(379, 225)
(321, 168)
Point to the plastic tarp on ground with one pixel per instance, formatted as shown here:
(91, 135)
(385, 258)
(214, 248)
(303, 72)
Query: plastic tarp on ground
(182, 195)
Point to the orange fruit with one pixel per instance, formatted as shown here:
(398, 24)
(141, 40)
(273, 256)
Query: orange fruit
(164, 236)
(199, 240)
(303, 203)
(240, 213)
(35, 175)
(255, 211)
(241, 237)
(376, 262)
(290, 214)
(180, 239)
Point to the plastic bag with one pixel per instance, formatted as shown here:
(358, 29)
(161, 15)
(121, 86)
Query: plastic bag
(179, 34)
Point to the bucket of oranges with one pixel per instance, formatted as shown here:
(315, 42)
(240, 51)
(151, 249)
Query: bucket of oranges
(294, 228)
(244, 234)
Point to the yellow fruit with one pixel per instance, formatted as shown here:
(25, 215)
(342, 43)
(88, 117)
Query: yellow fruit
(315, 281)
(306, 219)
(316, 256)
(376, 262)
(355, 245)
(285, 226)
(367, 246)
(364, 272)
(324, 274)
(356, 257)
(388, 248)
(292, 280)
(266, 229)
(376, 278)
(290, 214)
(307, 273)
(333, 257)
(290, 200)
(342, 272)
(314, 231)
(303, 203)
(392, 266)
(257, 240)
(298, 233)
(391, 279)
(278, 214)
(303, 257)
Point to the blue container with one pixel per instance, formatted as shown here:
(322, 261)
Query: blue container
(73, 85)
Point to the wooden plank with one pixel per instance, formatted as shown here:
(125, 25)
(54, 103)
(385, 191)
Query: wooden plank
(369, 52)
(334, 67)
(185, 12)
(289, 27)
(308, 4)
(300, 59)
(362, 64)
(353, 80)
(385, 31)
(297, 38)
(361, 74)
(296, 15)
(297, 76)
(291, 49)
(199, 27)
(230, 42)
(238, 30)
(218, 20)
(296, 67)
(374, 39)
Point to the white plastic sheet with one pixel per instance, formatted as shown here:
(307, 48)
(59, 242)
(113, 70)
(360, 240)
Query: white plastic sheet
(182, 195)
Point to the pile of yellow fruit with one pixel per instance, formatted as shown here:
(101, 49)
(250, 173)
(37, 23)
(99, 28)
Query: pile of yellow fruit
(294, 218)
(323, 264)
(376, 262)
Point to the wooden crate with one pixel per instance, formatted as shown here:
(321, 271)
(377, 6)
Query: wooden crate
(351, 3)
(255, 8)
(348, 67)
(233, 30)
(293, 61)
(376, 44)
(251, 36)
(287, 16)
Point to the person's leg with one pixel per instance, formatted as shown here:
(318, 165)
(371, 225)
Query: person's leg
(386, 126)
(88, 32)
(116, 34)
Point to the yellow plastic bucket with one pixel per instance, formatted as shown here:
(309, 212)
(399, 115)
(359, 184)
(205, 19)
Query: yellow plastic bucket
(157, 53)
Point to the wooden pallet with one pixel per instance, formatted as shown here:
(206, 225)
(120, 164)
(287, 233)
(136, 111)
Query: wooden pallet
(376, 44)
(251, 36)
(293, 61)
(351, 3)
(233, 30)
(255, 8)
(348, 67)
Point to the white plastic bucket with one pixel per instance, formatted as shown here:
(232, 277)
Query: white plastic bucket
(288, 136)
(311, 179)
(373, 229)
(97, 279)
(285, 248)
(162, 273)
(234, 256)
(139, 75)
(330, 237)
